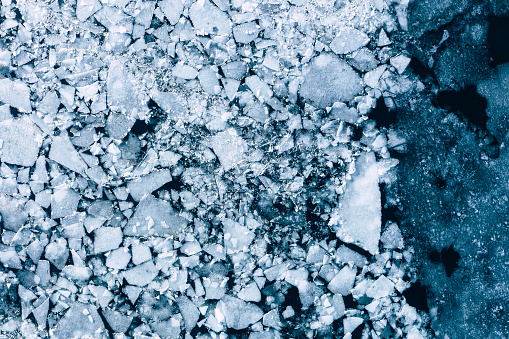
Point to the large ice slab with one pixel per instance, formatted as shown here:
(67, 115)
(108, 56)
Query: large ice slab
(360, 215)
(21, 141)
(328, 79)
(154, 217)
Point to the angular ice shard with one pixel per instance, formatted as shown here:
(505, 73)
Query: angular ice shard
(360, 215)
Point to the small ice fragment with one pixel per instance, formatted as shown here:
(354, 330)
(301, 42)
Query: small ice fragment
(208, 80)
(383, 39)
(189, 312)
(250, 293)
(57, 253)
(184, 72)
(86, 8)
(118, 125)
(166, 220)
(80, 321)
(118, 322)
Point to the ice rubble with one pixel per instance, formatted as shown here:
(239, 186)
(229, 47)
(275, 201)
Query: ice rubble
(180, 157)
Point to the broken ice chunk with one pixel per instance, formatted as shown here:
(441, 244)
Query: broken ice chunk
(21, 141)
(391, 238)
(118, 259)
(328, 79)
(189, 312)
(80, 321)
(372, 77)
(250, 293)
(141, 275)
(400, 62)
(172, 9)
(363, 60)
(141, 253)
(359, 219)
(350, 324)
(86, 8)
(13, 212)
(184, 72)
(118, 125)
(62, 151)
(107, 238)
(343, 282)
(146, 184)
(77, 273)
(234, 70)
(57, 253)
(41, 312)
(64, 202)
(237, 238)
(122, 96)
(260, 89)
(348, 40)
(207, 19)
(102, 294)
(238, 313)
(16, 94)
(154, 216)
(381, 288)
(245, 33)
(9, 258)
(229, 148)
(118, 322)
(208, 80)
(383, 39)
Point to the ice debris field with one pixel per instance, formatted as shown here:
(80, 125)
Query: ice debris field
(201, 169)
